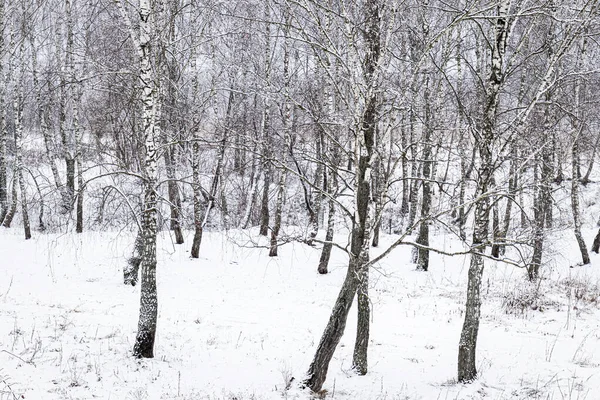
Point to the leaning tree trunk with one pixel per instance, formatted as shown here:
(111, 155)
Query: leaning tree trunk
(366, 145)
(144, 343)
(357, 277)
(317, 372)
(467, 370)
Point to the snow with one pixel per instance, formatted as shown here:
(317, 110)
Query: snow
(236, 324)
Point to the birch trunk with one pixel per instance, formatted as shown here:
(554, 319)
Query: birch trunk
(323, 267)
(144, 344)
(12, 208)
(366, 146)
(512, 190)
(577, 127)
(314, 197)
(585, 257)
(67, 135)
(78, 162)
(173, 193)
(422, 260)
(331, 184)
(266, 126)
(377, 195)
(198, 230)
(467, 370)
(287, 127)
(404, 207)
(196, 187)
(542, 195)
(413, 196)
(18, 115)
(76, 95)
(8, 211)
(253, 193)
(357, 277)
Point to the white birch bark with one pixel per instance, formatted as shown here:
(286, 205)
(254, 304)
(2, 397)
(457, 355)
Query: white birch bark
(18, 119)
(467, 370)
(197, 193)
(144, 344)
(577, 127)
(287, 127)
(11, 208)
(266, 126)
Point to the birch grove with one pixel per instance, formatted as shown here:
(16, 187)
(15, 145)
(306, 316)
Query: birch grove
(338, 126)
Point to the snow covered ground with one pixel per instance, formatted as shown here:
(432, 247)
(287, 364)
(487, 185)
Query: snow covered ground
(237, 324)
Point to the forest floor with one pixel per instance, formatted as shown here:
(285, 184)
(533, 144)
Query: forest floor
(236, 324)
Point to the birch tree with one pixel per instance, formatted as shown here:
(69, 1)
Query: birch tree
(357, 277)
(150, 110)
(287, 127)
(578, 128)
(266, 125)
(18, 104)
(467, 370)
